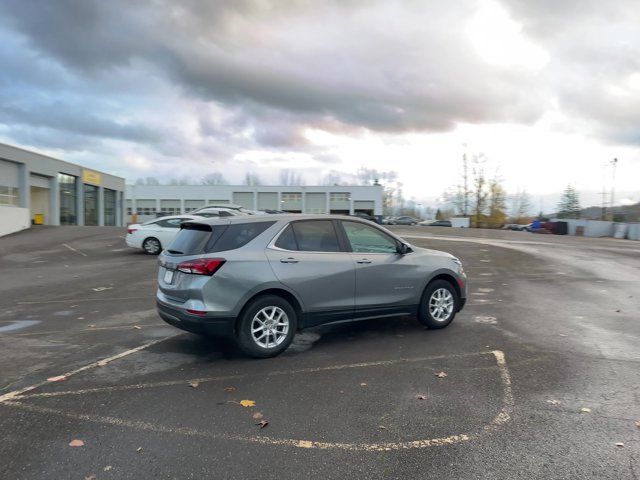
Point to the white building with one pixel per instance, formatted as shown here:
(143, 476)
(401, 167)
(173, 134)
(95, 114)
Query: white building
(146, 201)
(39, 189)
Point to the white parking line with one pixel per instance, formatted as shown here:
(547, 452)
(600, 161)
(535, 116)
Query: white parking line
(74, 250)
(104, 361)
(502, 417)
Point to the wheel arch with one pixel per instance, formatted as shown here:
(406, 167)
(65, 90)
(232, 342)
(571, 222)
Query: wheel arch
(278, 291)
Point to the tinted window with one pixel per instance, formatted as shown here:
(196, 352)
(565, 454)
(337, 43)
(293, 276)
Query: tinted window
(236, 236)
(190, 240)
(316, 236)
(366, 239)
(287, 239)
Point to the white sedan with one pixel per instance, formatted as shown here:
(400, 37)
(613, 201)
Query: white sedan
(154, 236)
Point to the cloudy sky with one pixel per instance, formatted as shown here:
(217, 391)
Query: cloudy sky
(549, 91)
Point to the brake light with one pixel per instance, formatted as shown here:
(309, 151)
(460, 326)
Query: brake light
(201, 266)
(131, 230)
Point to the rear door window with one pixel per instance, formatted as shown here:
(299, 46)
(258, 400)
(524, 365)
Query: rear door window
(236, 236)
(316, 236)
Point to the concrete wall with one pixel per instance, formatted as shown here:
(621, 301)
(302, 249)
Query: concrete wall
(13, 219)
(257, 197)
(634, 231)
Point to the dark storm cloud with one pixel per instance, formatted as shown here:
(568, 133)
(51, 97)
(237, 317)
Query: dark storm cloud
(278, 67)
(408, 75)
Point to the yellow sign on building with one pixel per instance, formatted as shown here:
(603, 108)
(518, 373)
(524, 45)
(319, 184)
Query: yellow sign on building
(89, 176)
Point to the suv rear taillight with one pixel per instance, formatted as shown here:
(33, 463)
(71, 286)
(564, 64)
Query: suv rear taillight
(201, 266)
(131, 230)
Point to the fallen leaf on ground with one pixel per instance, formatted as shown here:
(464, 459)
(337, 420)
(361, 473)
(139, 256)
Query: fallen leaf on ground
(262, 424)
(585, 410)
(76, 443)
(257, 415)
(382, 427)
(139, 449)
(102, 363)
(363, 384)
(72, 306)
(107, 468)
(638, 424)
(421, 397)
(194, 384)
(90, 477)
(91, 326)
(136, 327)
(619, 444)
(618, 311)
(59, 378)
(441, 374)
(247, 403)
(229, 389)
(554, 402)
(80, 318)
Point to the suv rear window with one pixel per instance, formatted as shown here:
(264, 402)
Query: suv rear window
(235, 236)
(190, 239)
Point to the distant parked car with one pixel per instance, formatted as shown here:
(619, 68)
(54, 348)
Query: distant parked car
(517, 227)
(157, 234)
(227, 206)
(405, 220)
(218, 212)
(366, 216)
(436, 223)
(388, 221)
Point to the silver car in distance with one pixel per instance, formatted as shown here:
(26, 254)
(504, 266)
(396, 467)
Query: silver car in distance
(259, 279)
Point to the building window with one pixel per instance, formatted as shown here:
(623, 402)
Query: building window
(68, 199)
(291, 197)
(339, 197)
(129, 211)
(109, 207)
(145, 211)
(9, 196)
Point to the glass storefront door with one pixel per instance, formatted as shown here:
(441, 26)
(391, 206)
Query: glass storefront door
(90, 205)
(68, 211)
(109, 207)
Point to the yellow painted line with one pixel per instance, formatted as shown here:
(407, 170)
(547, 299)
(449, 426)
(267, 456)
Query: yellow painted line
(169, 383)
(17, 393)
(503, 416)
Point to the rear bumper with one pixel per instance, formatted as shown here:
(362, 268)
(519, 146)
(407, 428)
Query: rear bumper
(203, 325)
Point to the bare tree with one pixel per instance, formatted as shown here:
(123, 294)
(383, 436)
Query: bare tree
(215, 178)
(520, 205)
(464, 191)
(289, 178)
(252, 179)
(479, 187)
(180, 181)
(332, 178)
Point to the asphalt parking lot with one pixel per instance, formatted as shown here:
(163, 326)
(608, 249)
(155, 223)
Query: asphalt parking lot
(542, 372)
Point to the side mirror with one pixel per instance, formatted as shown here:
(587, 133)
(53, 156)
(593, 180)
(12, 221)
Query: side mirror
(403, 249)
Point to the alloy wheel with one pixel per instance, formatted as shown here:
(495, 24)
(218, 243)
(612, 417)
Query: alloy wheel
(269, 327)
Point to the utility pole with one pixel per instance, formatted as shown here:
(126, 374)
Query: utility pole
(614, 163)
(465, 179)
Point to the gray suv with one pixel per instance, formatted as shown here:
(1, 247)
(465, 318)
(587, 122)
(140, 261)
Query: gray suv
(260, 279)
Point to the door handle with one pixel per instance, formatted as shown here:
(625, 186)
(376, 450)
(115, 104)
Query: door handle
(363, 260)
(288, 260)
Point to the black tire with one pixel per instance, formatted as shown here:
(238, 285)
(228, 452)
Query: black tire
(152, 246)
(425, 315)
(246, 340)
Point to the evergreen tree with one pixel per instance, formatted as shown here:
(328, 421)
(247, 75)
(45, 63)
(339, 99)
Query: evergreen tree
(569, 206)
